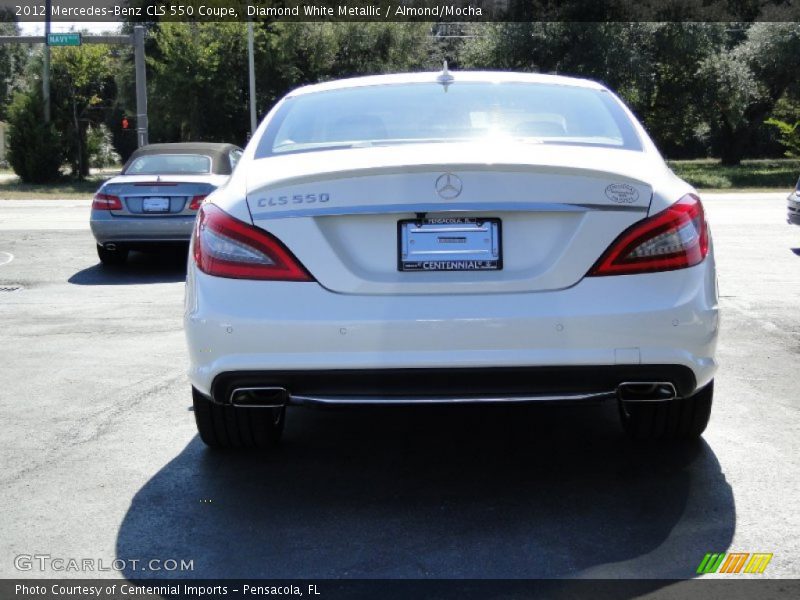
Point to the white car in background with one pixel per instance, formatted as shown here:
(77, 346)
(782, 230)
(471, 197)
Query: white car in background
(444, 238)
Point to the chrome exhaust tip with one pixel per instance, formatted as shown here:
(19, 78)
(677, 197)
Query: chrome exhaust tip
(259, 397)
(646, 391)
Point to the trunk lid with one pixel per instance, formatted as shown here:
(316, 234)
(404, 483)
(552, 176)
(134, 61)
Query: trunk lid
(159, 196)
(559, 208)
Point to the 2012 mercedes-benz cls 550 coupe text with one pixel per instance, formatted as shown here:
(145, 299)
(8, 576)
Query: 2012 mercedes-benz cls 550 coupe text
(444, 238)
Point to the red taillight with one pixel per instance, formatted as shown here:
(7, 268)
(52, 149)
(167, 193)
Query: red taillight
(196, 202)
(227, 247)
(675, 238)
(106, 202)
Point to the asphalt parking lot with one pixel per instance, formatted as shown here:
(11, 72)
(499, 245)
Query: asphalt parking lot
(100, 458)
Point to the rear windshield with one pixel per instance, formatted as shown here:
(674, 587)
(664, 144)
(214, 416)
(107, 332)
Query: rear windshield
(386, 115)
(170, 164)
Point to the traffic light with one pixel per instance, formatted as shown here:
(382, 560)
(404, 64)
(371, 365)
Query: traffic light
(125, 123)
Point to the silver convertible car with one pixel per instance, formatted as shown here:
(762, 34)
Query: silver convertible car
(154, 200)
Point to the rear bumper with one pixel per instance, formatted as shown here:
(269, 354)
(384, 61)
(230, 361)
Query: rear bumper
(119, 229)
(293, 333)
(447, 386)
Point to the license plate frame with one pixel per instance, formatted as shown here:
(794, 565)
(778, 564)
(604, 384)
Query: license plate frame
(461, 244)
(155, 204)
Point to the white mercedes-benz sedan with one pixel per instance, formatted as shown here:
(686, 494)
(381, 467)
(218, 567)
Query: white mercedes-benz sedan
(450, 238)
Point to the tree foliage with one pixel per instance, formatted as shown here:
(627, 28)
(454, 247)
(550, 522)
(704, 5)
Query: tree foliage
(197, 86)
(34, 146)
(12, 62)
(82, 90)
(199, 81)
(790, 135)
(701, 88)
(651, 65)
(744, 84)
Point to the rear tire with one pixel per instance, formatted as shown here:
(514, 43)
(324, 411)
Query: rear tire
(678, 419)
(225, 426)
(113, 258)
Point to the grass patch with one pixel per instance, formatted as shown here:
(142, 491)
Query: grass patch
(763, 174)
(13, 189)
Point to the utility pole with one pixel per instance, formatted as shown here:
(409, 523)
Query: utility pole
(141, 86)
(252, 72)
(46, 64)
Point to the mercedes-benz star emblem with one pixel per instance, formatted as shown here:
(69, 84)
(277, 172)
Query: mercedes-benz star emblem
(448, 185)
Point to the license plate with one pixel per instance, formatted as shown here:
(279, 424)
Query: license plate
(155, 205)
(450, 244)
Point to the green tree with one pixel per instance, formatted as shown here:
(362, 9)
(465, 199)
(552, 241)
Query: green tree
(651, 65)
(372, 48)
(12, 62)
(742, 86)
(303, 53)
(34, 146)
(83, 89)
(789, 135)
(729, 92)
(662, 85)
(199, 82)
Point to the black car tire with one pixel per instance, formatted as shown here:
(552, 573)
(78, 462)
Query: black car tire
(678, 419)
(224, 426)
(112, 257)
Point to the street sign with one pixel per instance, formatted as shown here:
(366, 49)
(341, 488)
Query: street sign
(63, 39)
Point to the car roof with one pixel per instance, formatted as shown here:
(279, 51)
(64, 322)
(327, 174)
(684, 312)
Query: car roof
(457, 77)
(218, 152)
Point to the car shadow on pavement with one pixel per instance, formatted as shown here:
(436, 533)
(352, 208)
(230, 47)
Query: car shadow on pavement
(166, 266)
(523, 492)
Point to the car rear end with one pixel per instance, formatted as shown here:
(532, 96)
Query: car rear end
(491, 270)
(155, 199)
(137, 210)
(793, 206)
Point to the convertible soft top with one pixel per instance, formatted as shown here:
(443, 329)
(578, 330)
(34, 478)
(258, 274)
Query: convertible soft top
(219, 153)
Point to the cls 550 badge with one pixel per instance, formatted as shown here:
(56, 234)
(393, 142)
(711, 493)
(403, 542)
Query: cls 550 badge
(293, 199)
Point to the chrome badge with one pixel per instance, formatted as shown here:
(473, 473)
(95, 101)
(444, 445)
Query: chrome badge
(448, 186)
